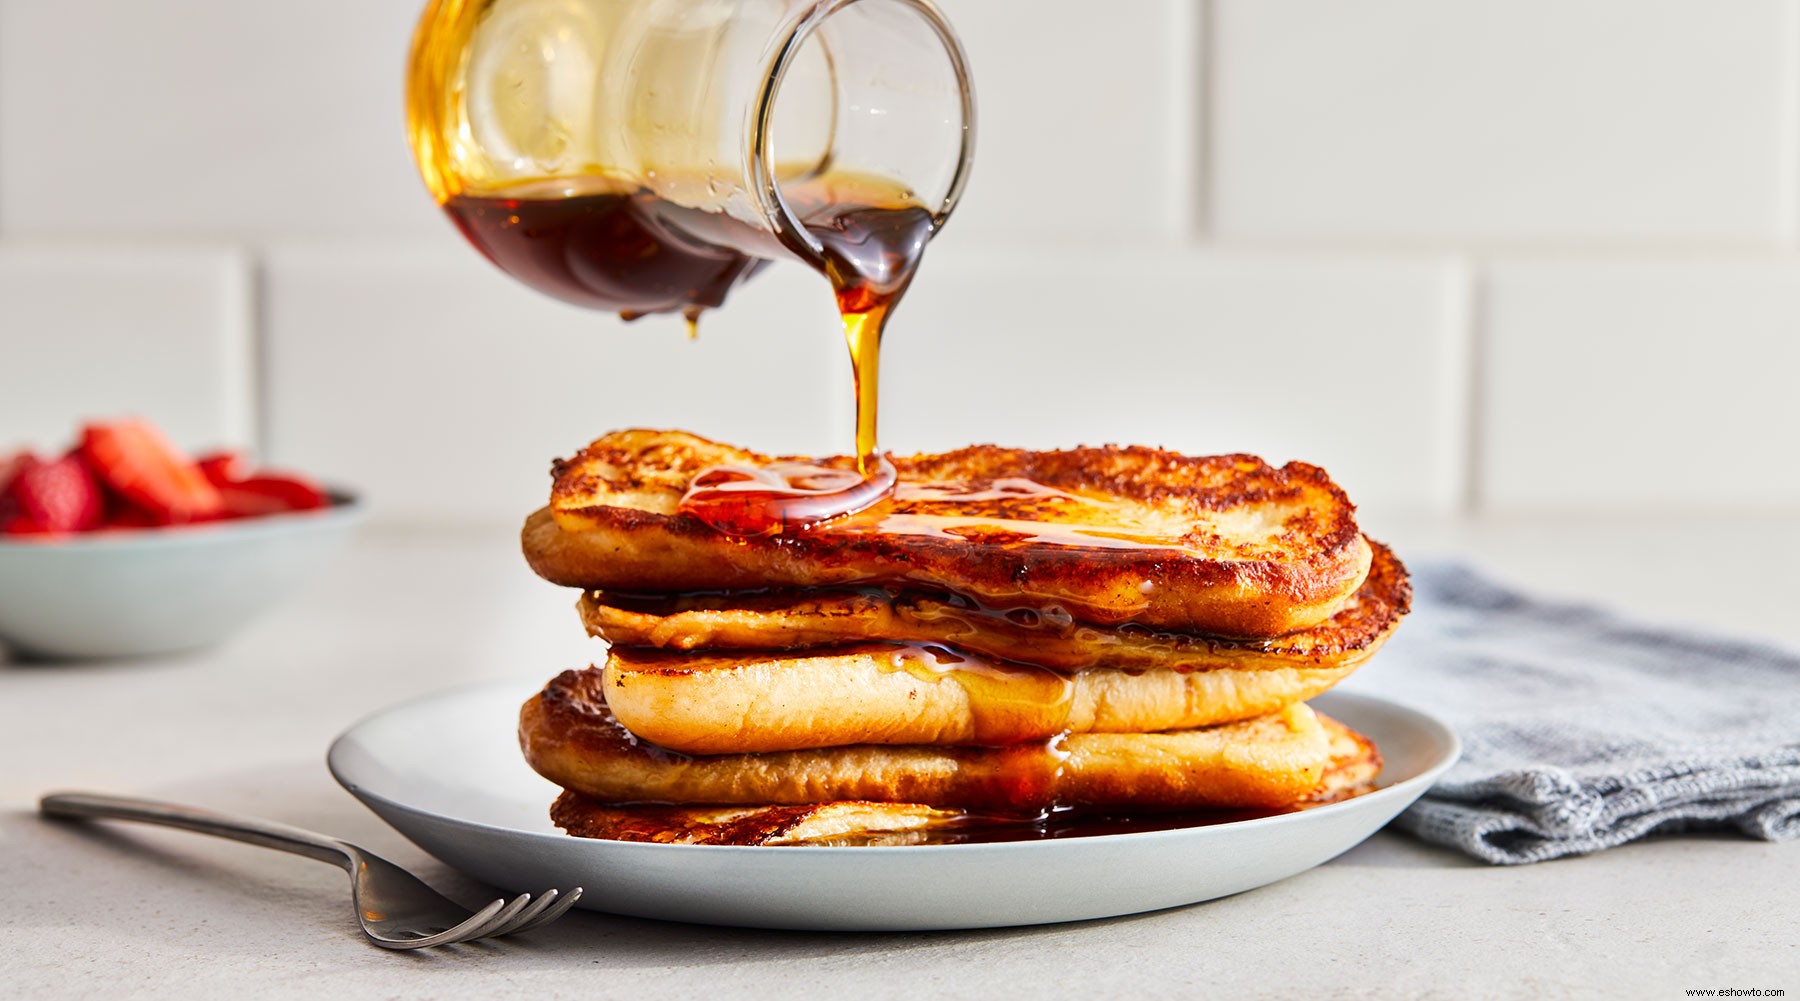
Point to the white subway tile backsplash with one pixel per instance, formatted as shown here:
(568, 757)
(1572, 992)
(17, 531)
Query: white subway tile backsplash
(1084, 132)
(214, 117)
(276, 121)
(100, 332)
(1627, 385)
(443, 388)
(1532, 121)
(1063, 304)
(1356, 365)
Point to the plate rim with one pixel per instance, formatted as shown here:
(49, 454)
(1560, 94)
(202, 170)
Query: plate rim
(338, 750)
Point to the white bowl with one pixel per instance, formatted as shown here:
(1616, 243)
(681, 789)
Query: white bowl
(135, 593)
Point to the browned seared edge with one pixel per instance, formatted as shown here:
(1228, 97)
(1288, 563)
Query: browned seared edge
(1355, 764)
(800, 619)
(1193, 578)
(809, 823)
(584, 818)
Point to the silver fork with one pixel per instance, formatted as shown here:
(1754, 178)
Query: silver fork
(395, 909)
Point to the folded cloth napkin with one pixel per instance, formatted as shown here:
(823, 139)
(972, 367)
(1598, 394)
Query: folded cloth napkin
(1582, 730)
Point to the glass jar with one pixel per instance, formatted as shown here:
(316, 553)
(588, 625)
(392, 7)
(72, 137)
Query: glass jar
(644, 156)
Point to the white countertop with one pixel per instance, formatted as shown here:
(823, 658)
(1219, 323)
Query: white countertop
(134, 911)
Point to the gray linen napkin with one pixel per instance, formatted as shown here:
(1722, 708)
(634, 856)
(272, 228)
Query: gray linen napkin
(1582, 730)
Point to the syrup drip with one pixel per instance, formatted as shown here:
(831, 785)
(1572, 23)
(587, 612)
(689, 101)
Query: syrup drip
(1020, 778)
(1020, 716)
(1009, 703)
(870, 255)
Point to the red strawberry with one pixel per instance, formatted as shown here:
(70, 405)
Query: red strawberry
(136, 460)
(59, 496)
(261, 495)
(13, 464)
(9, 471)
(224, 467)
(124, 516)
(18, 524)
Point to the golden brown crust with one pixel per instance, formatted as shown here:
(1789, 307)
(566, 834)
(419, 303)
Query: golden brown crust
(813, 823)
(752, 703)
(1354, 765)
(1223, 545)
(823, 617)
(570, 737)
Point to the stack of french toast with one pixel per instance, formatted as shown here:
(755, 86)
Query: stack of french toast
(1013, 635)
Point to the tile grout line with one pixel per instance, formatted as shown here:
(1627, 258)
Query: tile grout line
(1473, 302)
(1195, 38)
(243, 401)
(1788, 154)
(258, 309)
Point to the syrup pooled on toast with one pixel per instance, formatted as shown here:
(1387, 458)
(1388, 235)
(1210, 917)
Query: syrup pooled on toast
(1013, 510)
(783, 496)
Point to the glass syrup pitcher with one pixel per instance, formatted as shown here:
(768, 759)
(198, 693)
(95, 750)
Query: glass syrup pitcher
(646, 156)
(643, 156)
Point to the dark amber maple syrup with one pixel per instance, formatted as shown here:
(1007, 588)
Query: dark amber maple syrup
(635, 253)
(1064, 823)
(605, 250)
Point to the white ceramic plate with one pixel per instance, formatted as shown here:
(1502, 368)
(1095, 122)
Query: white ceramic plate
(445, 770)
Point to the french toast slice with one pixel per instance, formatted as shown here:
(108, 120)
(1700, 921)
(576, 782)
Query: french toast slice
(844, 823)
(825, 617)
(1355, 764)
(908, 694)
(1221, 545)
(569, 736)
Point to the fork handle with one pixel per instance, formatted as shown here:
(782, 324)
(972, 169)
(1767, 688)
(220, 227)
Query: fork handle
(266, 833)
